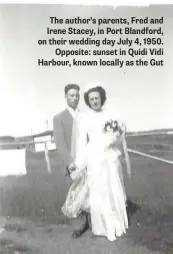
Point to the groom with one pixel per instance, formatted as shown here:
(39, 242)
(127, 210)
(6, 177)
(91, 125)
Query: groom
(62, 129)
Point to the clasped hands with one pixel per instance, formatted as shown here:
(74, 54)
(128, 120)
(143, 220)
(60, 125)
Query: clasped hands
(71, 167)
(71, 170)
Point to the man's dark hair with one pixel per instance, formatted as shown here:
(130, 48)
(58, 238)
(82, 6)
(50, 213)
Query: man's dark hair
(71, 86)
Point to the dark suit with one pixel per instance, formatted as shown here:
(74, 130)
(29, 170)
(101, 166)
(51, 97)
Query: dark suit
(62, 131)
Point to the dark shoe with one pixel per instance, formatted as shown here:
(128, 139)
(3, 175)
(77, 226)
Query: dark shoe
(132, 208)
(79, 232)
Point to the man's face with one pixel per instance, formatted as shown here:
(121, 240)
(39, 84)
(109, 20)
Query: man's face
(72, 98)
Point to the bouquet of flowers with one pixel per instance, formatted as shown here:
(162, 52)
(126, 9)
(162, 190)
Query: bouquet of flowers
(113, 126)
(113, 130)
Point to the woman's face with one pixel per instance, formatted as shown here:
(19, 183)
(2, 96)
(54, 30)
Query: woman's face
(95, 100)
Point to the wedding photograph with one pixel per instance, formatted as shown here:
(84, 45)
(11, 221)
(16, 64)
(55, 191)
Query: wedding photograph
(86, 133)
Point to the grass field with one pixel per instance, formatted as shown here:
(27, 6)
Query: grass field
(35, 224)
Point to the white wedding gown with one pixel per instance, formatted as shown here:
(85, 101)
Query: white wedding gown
(106, 198)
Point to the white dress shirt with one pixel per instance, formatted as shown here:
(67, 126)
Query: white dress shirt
(73, 112)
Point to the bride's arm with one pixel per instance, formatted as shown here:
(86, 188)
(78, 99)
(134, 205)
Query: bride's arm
(125, 150)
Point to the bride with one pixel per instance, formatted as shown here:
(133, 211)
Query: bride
(98, 186)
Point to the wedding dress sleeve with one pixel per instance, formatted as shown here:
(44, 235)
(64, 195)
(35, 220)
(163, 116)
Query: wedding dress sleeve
(124, 149)
(126, 155)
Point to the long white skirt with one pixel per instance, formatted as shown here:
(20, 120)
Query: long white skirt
(100, 190)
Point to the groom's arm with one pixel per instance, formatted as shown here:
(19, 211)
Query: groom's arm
(60, 141)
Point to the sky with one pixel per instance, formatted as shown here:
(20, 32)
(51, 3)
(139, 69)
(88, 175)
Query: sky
(30, 95)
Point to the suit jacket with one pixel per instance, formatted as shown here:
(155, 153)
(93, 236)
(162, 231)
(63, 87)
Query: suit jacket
(62, 131)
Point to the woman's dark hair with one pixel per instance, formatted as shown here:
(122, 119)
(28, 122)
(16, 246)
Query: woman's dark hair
(99, 89)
